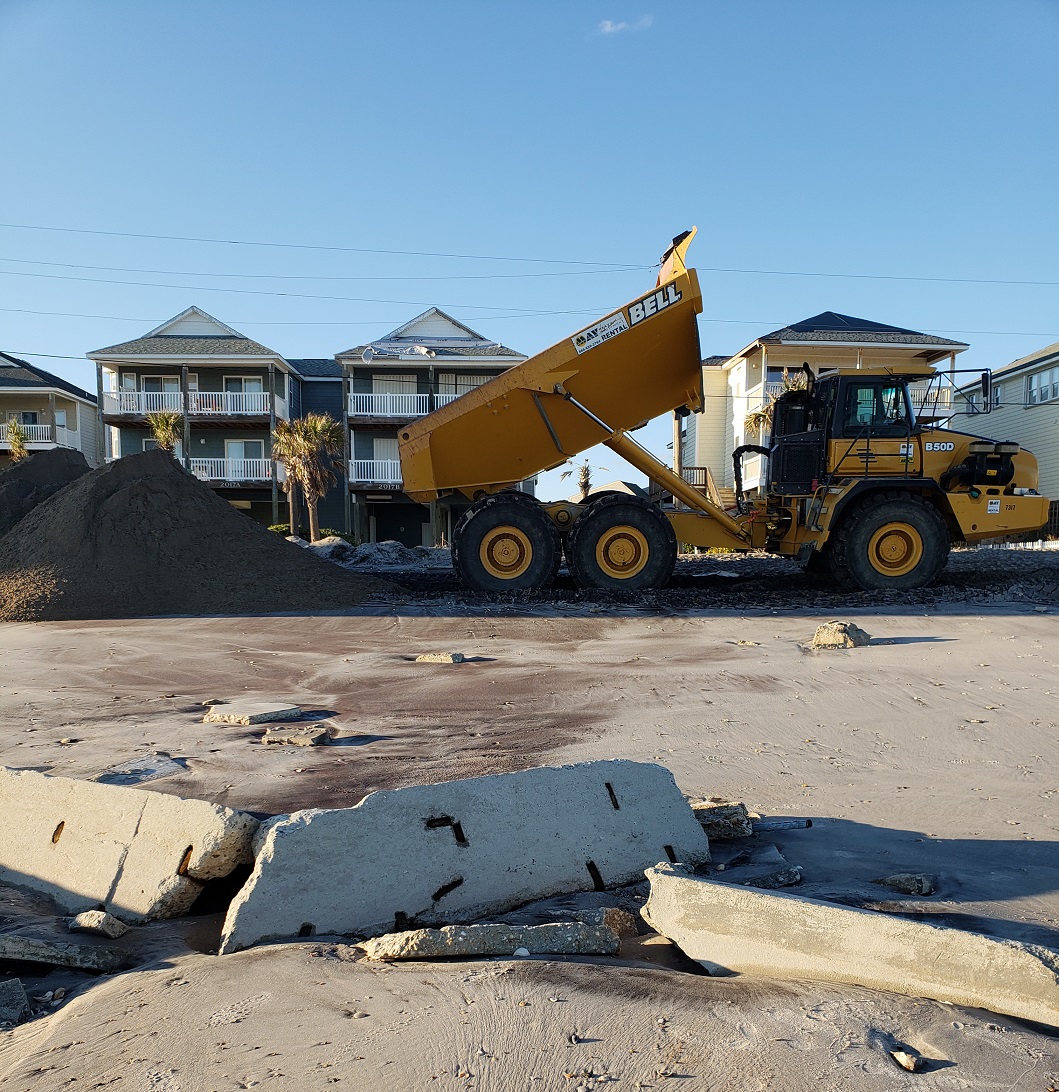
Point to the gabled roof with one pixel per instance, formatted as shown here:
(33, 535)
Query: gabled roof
(1048, 355)
(831, 326)
(715, 361)
(191, 333)
(434, 334)
(16, 374)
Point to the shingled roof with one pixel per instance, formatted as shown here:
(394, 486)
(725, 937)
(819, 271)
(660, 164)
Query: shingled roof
(420, 333)
(17, 374)
(317, 368)
(831, 326)
(178, 345)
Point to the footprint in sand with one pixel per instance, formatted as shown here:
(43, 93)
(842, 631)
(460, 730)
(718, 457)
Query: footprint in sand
(236, 1012)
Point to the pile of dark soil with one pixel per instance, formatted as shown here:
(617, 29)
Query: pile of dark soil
(141, 537)
(25, 484)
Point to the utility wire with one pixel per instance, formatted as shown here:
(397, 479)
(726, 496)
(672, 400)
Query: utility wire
(304, 246)
(315, 277)
(474, 318)
(609, 266)
(529, 312)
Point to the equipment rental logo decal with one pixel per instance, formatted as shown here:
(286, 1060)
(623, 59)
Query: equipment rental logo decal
(650, 305)
(602, 331)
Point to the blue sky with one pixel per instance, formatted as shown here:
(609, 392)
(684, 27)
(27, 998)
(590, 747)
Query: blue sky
(884, 140)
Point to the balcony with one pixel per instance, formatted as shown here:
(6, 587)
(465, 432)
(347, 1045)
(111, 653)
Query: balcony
(375, 472)
(33, 434)
(931, 399)
(234, 470)
(200, 403)
(389, 405)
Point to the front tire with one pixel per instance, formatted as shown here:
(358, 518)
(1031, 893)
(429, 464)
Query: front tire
(621, 543)
(890, 542)
(506, 543)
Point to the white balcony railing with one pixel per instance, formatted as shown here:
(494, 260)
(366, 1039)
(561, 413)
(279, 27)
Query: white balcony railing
(930, 399)
(33, 434)
(389, 405)
(217, 403)
(444, 399)
(375, 471)
(252, 403)
(232, 470)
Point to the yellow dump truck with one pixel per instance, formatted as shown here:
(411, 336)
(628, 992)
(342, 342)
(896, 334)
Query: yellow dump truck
(853, 481)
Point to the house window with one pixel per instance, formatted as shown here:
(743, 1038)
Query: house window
(60, 418)
(244, 449)
(460, 384)
(244, 384)
(27, 417)
(160, 384)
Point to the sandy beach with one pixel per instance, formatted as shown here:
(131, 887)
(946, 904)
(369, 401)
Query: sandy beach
(930, 750)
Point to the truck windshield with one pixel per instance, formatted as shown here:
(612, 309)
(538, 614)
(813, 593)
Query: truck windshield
(879, 408)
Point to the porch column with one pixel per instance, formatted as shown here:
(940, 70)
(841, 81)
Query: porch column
(271, 432)
(101, 451)
(51, 418)
(347, 453)
(186, 400)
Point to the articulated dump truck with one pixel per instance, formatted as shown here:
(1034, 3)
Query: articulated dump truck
(853, 483)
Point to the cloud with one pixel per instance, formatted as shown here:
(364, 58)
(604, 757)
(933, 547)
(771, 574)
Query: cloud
(610, 27)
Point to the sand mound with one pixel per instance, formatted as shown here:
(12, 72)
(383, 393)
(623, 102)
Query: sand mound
(25, 484)
(141, 537)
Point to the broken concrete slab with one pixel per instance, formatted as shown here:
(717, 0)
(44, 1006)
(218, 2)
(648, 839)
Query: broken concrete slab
(579, 937)
(732, 929)
(910, 883)
(840, 635)
(13, 1001)
(139, 855)
(722, 820)
(440, 658)
(84, 957)
(238, 711)
(461, 850)
(293, 735)
(98, 922)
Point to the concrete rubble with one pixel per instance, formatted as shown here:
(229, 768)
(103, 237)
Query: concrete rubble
(722, 820)
(99, 923)
(293, 735)
(730, 929)
(910, 883)
(593, 932)
(238, 711)
(13, 1002)
(138, 855)
(840, 635)
(84, 957)
(439, 854)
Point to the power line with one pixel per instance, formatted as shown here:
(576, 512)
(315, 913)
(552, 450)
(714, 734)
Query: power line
(302, 246)
(472, 318)
(603, 266)
(529, 312)
(315, 277)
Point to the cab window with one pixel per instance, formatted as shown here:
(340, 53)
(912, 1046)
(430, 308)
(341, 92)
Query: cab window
(876, 409)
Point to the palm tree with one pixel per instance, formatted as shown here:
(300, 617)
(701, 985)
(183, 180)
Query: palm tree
(16, 437)
(758, 421)
(307, 448)
(167, 428)
(584, 477)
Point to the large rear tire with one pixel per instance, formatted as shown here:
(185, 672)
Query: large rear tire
(621, 543)
(890, 542)
(506, 543)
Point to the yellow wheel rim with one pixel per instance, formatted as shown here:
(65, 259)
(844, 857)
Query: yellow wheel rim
(506, 552)
(622, 552)
(895, 549)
